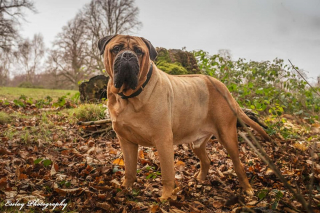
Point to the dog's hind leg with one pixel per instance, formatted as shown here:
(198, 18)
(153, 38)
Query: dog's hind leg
(204, 160)
(227, 136)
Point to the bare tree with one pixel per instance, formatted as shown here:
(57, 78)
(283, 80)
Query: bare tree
(69, 54)
(29, 55)
(75, 55)
(11, 12)
(108, 17)
(54, 69)
(5, 64)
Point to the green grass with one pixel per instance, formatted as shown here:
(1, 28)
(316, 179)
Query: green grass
(4, 118)
(12, 93)
(88, 112)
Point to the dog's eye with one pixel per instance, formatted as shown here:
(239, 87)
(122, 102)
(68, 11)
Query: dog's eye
(138, 51)
(116, 49)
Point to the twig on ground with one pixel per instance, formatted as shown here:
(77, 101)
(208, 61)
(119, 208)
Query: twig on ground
(289, 206)
(89, 123)
(312, 174)
(98, 131)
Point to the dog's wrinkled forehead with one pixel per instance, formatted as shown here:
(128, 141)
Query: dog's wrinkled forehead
(128, 42)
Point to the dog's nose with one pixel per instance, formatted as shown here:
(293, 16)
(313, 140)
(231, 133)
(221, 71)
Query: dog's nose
(127, 55)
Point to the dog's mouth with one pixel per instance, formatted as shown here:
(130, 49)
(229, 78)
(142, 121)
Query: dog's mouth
(126, 71)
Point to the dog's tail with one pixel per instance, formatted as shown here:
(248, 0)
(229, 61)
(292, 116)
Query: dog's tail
(253, 124)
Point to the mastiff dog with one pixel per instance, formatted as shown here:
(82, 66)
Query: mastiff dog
(149, 107)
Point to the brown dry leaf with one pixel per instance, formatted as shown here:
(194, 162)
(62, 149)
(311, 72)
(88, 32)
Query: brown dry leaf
(220, 173)
(115, 183)
(65, 152)
(38, 194)
(154, 208)
(105, 206)
(174, 210)
(54, 169)
(87, 170)
(317, 125)
(65, 192)
(4, 151)
(76, 152)
(141, 154)
(55, 137)
(3, 182)
(92, 150)
(102, 188)
(90, 142)
(83, 149)
(269, 172)
(300, 146)
(113, 151)
(315, 130)
(59, 144)
(102, 196)
(180, 165)
(145, 162)
(23, 176)
(118, 161)
(163, 211)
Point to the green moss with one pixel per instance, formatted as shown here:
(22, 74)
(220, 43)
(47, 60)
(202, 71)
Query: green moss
(172, 68)
(4, 118)
(176, 62)
(163, 55)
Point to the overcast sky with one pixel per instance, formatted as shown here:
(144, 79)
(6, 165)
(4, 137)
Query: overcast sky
(252, 29)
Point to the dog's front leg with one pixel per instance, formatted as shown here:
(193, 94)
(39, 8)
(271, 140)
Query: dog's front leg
(165, 150)
(130, 154)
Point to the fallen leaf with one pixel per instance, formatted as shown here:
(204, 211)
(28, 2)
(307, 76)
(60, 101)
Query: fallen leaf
(3, 182)
(180, 165)
(4, 151)
(141, 154)
(154, 208)
(269, 172)
(118, 161)
(105, 206)
(217, 204)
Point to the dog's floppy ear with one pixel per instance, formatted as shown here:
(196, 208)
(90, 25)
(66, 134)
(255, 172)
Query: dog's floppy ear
(103, 42)
(152, 51)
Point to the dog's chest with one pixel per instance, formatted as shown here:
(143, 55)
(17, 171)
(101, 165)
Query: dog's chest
(129, 126)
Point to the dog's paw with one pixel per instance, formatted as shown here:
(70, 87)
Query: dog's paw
(164, 198)
(166, 195)
(201, 176)
(249, 192)
(127, 184)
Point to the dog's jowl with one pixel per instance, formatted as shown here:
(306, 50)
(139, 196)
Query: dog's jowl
(151, 108)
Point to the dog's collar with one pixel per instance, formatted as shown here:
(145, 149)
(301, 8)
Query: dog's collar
(136, 93)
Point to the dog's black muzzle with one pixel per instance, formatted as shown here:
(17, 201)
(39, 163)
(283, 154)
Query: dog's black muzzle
(126, 70)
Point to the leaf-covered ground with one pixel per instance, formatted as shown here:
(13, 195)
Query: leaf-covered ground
(45, 159)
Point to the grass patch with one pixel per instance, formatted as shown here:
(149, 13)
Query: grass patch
(12, 93)
(89, 112)
(4, 118)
